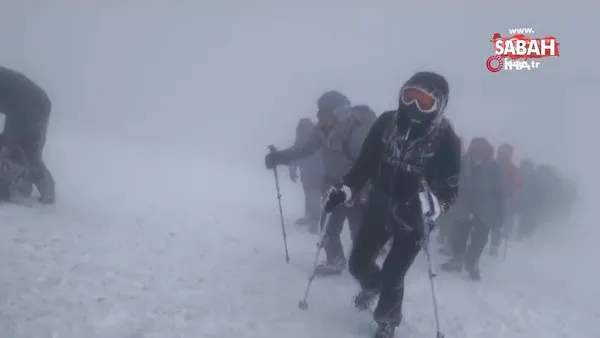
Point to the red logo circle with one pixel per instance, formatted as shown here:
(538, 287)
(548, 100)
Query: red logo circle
(494, 59)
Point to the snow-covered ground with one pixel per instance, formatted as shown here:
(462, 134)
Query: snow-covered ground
(149, 242)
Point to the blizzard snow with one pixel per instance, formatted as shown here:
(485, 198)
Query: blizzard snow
(167, 223)
(153, 258)
(128, 255)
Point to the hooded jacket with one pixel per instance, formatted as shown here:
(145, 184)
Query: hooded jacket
(408, 146)
(482, 193)
(436, 158)
(21, 100)
(513, 176)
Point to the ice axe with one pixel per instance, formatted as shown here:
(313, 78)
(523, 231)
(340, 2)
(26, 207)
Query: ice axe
(272, 150)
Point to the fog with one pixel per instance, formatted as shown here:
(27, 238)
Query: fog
(212, 77)
(219, 81)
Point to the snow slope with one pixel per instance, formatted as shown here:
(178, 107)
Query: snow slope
(197, 253)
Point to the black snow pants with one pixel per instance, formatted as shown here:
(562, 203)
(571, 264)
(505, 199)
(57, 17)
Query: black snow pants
(334, 250)
(477, 232)
(377, 225)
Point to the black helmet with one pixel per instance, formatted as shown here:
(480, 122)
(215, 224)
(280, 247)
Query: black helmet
(423, 98)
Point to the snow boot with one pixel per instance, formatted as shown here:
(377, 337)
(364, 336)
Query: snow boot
(334, 268)
(384, 331)
(453, 264)
(364, 299)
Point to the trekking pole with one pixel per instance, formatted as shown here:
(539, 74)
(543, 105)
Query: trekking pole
(324, 221)
(505, 248)
(427, 208)
(287, 255)
(507, 235)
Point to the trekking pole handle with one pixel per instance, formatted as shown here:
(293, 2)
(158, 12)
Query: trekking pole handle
(426, 200)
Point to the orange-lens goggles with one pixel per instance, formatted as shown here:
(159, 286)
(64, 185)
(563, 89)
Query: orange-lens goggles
(425, 101)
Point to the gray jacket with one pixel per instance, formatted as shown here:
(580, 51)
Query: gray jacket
(311, 167)
(339, 147)
(482, 194)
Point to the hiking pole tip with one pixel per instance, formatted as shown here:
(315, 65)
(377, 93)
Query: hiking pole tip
(303, 305)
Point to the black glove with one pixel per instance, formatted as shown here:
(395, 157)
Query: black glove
(337, 195)
(272, 159)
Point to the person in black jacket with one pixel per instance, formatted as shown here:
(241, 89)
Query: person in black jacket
(27, 107)
(403, 148)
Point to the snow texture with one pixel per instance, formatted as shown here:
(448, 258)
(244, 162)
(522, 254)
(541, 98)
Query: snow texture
(156, 260)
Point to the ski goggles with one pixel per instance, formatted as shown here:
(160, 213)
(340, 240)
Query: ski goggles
(425, 101)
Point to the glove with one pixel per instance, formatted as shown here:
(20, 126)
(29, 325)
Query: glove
(272, 159)
(335, 196)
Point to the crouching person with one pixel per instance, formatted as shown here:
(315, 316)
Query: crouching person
(26, 108)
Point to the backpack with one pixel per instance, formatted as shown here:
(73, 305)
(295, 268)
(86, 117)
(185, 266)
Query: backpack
(358, 124)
